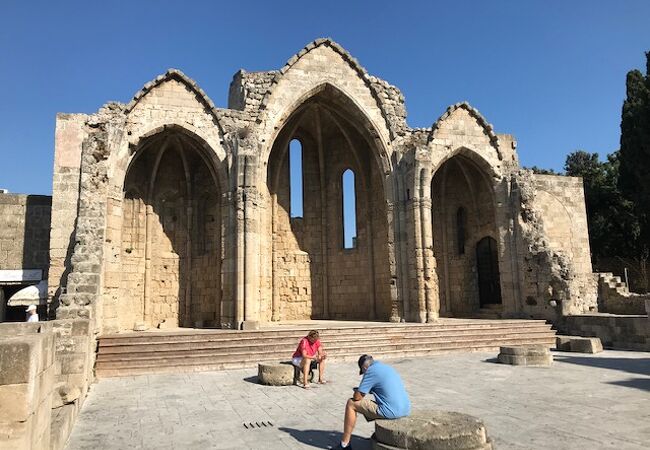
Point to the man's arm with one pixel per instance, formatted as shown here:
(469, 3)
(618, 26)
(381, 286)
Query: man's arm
(357, 395)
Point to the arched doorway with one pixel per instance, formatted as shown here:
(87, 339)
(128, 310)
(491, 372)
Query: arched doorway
(331, 261)
(464, 230)
(171, 235)
(487, 266)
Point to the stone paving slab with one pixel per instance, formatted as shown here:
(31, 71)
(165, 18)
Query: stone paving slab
(597, 401)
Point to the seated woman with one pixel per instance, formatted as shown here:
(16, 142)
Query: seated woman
(310, 350)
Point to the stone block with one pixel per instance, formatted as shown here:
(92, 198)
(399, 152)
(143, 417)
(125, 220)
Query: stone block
(16, 435)
(72, 362)
(167, 324)
(275, 374)
(61, 425)
(525, 355)
(563, 343)
(21, 358)
(586, 345)
(22, 328)
(250, 325)
(17, 402)
(431, 430)
(524, 350)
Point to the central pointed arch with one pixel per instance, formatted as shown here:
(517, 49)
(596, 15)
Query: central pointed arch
(313, 273)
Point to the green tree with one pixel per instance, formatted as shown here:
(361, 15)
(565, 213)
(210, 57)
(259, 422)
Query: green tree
(613, 226)
(634, 177)
(542, 171)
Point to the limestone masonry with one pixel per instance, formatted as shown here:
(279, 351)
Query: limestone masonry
(171, 210)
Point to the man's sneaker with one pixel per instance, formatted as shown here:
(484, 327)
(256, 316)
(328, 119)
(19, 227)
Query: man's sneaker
(338, 447)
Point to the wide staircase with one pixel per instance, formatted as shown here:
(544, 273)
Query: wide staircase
(187, 350)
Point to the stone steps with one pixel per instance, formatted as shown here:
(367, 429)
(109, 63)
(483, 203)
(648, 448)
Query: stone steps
(197, 350)
(198, 341)
(333, 348)
(383, 329)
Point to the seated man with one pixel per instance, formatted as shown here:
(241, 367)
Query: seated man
(310, 349)
(391, 400)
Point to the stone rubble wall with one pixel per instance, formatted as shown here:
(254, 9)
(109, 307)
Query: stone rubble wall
(45, 371)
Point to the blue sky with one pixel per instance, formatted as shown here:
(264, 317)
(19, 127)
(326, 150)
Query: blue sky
(550, 72)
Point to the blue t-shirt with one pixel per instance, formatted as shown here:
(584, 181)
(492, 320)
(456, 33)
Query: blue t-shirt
(385, 384)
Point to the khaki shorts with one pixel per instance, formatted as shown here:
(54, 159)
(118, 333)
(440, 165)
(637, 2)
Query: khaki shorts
(368, 408)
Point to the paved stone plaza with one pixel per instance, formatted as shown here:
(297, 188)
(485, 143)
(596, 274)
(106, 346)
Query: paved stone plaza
(581, 402)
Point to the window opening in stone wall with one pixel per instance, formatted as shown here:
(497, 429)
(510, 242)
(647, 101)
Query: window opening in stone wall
(349, 209)
(461, 223)
(295, 177)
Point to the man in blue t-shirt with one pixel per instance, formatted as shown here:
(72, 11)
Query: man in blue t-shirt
(391, 400)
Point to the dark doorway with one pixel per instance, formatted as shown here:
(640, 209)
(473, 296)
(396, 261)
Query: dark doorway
(487, 263)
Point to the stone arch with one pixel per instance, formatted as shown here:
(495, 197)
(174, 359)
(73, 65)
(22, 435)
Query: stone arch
(311, 271)
(217, 166)
(462, 181)
(344, 58)
(349, 106)
(487, 130)
(175, 74)
(168, 260)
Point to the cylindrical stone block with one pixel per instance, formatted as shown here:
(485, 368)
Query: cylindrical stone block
(431, 430)
(275, 374)
(524, 350)
(526, 355)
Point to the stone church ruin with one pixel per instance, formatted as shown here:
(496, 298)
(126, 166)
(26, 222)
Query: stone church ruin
(171, 211)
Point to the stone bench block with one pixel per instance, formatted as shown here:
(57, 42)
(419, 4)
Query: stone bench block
(275, 374)
(579, 344)
(525, 355)
(431, 430)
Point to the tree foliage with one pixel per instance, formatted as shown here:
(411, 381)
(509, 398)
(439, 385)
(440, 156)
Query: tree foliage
(634, 177)
(613, 226)
(542, 171)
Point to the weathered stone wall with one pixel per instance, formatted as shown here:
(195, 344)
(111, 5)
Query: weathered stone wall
(25, 231)
(556, 276)
(614, 331)
(45, 371)
(26, 384)
(69, 135)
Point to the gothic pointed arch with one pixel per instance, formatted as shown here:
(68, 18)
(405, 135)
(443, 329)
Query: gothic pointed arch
(330, 63)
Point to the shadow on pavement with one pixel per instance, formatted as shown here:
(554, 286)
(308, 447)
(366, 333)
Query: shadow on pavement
(638, 383)
(324, 439)
(639, 366)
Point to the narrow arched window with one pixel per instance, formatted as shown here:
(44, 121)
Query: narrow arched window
(295, 177)
(349, 209)
(461, 225)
